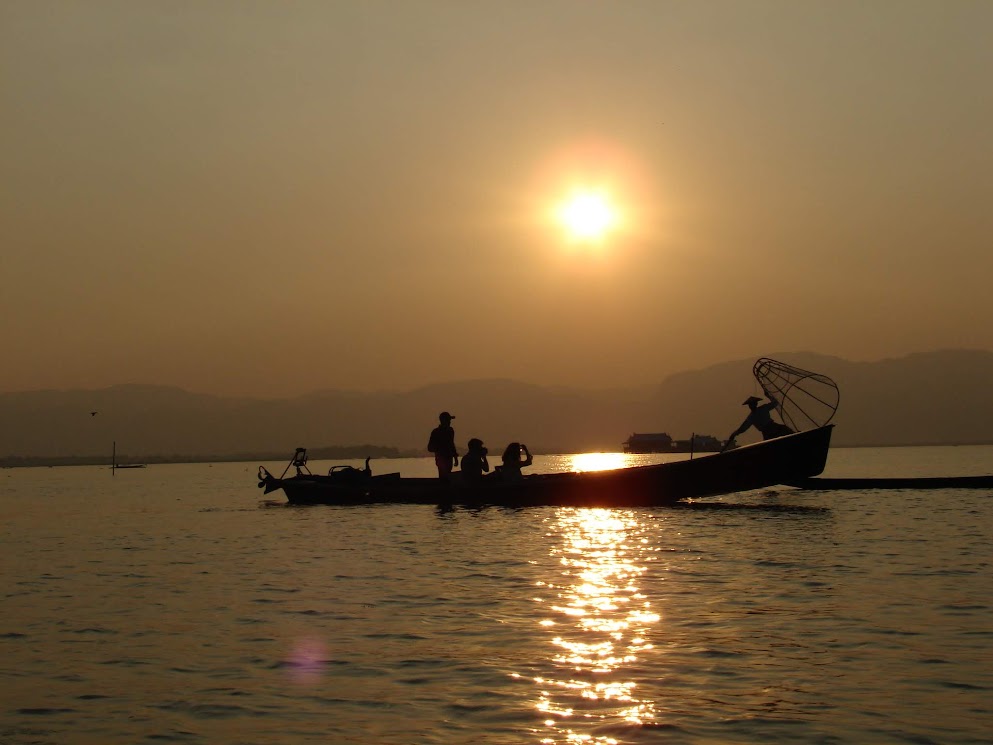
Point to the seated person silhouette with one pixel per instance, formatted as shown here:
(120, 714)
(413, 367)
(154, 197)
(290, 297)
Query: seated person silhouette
(474, 462)
(515, 457)
(760, 417)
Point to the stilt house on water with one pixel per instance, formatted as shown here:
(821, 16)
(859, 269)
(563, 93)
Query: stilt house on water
(661, 442)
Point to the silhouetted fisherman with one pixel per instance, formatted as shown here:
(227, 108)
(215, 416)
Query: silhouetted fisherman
(760, 417)
(442, 444)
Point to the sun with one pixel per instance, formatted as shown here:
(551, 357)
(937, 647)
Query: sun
(587, 215)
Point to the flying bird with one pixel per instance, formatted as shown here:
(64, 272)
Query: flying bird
(93, 413)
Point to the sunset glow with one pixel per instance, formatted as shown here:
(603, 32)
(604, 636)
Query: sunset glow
(587, 216)
(533, 186)
(256, 255)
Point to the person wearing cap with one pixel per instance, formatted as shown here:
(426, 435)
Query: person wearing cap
(760, 417)
(474, 462)
(442, 444)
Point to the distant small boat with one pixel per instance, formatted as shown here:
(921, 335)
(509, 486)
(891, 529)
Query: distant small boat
(114, 465)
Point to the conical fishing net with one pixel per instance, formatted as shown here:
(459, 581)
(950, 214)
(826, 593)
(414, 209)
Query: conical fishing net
(805, 399)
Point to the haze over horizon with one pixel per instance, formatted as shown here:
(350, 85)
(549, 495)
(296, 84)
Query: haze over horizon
(261, 199)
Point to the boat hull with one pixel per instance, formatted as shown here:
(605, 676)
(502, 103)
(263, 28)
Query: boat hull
(922, 482)
(781, 460)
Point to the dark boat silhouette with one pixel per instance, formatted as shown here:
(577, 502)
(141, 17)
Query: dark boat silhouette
(898, 482)
(805, 401)
(781, 460)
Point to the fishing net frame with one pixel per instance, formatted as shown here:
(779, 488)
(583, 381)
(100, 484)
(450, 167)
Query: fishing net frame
(804, 399)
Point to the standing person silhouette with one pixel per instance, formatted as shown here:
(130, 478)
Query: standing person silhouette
(760, 417)
(442, 444)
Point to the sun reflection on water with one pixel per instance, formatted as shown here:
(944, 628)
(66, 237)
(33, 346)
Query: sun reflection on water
(598, 627)
(599, 461)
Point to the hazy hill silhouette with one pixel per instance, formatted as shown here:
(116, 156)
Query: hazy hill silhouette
(940, 397)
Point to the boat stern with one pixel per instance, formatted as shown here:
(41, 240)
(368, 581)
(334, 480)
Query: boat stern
(267, 482)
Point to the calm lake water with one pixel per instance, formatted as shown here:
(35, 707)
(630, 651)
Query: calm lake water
(178, 604)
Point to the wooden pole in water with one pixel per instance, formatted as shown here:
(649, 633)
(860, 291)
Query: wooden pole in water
(113, 460)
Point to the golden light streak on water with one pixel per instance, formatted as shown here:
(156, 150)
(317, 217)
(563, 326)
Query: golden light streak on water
(599, 461)
(599, 622)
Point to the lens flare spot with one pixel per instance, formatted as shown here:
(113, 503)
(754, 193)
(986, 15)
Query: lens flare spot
(306, 661)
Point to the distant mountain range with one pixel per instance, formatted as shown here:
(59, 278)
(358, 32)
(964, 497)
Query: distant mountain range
(943, 397)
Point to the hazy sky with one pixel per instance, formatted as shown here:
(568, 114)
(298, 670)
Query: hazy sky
(268, 198)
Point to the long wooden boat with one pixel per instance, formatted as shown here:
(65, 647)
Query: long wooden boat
(908, 482)
(782, 460)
